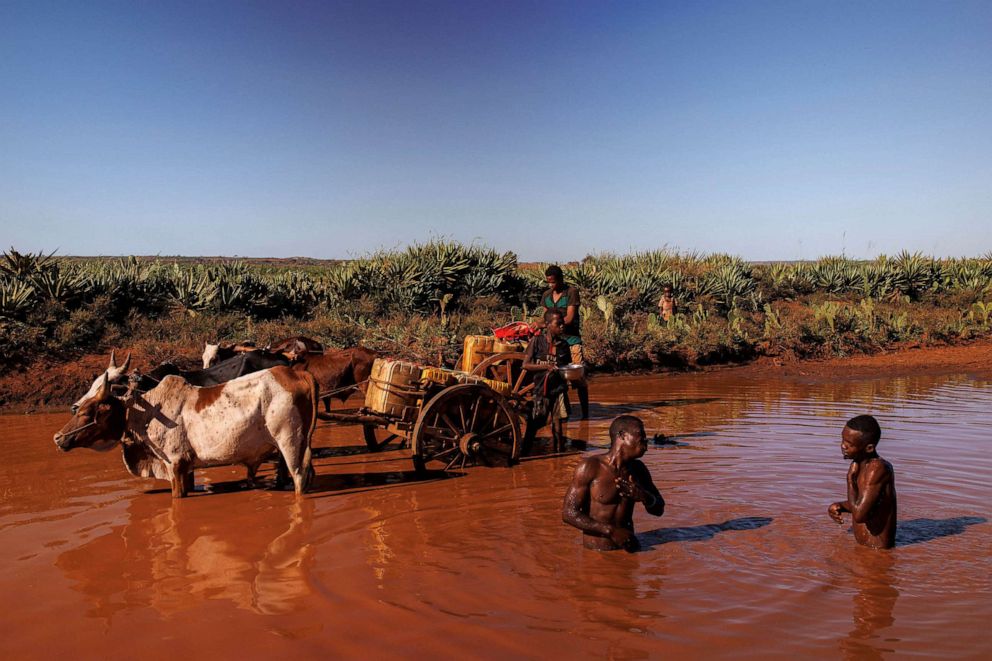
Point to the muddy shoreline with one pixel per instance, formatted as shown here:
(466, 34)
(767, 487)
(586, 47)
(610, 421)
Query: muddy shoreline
(58, 384)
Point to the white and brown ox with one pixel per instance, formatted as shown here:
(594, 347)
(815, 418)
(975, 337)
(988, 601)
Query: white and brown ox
(175, 427)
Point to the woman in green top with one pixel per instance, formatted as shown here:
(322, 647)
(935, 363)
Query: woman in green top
(563, 297)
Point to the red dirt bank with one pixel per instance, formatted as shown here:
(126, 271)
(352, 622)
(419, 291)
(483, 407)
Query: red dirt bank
(908, 359)
(52, 386)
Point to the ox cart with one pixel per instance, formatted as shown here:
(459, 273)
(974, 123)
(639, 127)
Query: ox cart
(449, 420)
(453, 419)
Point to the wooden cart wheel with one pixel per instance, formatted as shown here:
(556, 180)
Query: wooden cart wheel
(509, 368)
(465, 425)
(377, 437)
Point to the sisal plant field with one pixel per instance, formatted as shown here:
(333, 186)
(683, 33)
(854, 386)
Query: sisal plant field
(420, 302)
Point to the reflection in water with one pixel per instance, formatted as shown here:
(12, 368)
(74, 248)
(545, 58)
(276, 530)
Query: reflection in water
(171, 556)
(481, 565)
(873, 604)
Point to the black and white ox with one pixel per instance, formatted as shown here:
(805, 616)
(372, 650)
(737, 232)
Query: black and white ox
(291, 348)
(175, 427)
(215, 353)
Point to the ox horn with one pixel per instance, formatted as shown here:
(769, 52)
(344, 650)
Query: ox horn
(113, 360)
(127, 361)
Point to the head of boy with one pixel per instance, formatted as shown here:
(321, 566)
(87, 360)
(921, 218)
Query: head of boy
(554, 277)
(667, 290)
(860, 437)
(627, 437)
(554, 321)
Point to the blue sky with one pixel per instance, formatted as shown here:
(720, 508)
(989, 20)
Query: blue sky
(771, 130)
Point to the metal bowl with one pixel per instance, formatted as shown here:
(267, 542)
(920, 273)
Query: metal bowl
(573, 371)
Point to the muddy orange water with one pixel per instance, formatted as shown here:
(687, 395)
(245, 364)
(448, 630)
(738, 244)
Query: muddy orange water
(373, 562)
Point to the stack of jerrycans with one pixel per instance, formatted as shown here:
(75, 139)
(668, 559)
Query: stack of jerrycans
(476, 349)
(393, 389)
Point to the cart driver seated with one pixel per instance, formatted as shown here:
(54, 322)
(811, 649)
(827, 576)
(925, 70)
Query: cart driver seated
(545, 353)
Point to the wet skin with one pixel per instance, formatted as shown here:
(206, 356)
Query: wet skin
(600, 501)
(871, 493)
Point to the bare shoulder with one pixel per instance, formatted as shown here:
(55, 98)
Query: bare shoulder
(588, 469)
(879, 470)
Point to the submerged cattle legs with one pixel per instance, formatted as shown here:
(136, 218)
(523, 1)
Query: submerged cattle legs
(252, 470)
(282, 472)
(181, 479)
(295, 462)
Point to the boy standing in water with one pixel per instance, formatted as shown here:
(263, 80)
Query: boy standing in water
(871, 488)
(600, 501)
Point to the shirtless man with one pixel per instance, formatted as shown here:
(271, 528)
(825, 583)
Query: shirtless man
(871, 487)
(600, 501)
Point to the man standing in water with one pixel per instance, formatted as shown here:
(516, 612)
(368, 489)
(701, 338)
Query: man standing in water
(871, 487)
(600, 501)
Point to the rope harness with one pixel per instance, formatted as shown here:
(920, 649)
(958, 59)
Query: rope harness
(78, 429)
(343, 388)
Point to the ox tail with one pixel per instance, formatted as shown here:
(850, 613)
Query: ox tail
(307, 453)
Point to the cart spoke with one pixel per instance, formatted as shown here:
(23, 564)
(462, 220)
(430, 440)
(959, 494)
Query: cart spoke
(451, 425)
(443, 453)
(520, 381)
(453, 460)
(496, 432)
(475, 414)
(441, 433)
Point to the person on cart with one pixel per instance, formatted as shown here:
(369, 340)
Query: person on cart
(563, 297)
(545, 354)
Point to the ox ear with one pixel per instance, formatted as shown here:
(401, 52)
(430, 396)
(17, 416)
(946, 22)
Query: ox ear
(127, 361)
(113, 360)
(103, 392)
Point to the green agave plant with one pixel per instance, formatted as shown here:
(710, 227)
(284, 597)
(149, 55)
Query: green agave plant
(16, 297)
(21, 266)
(63, 284)
(190, 290)
(728, 283)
